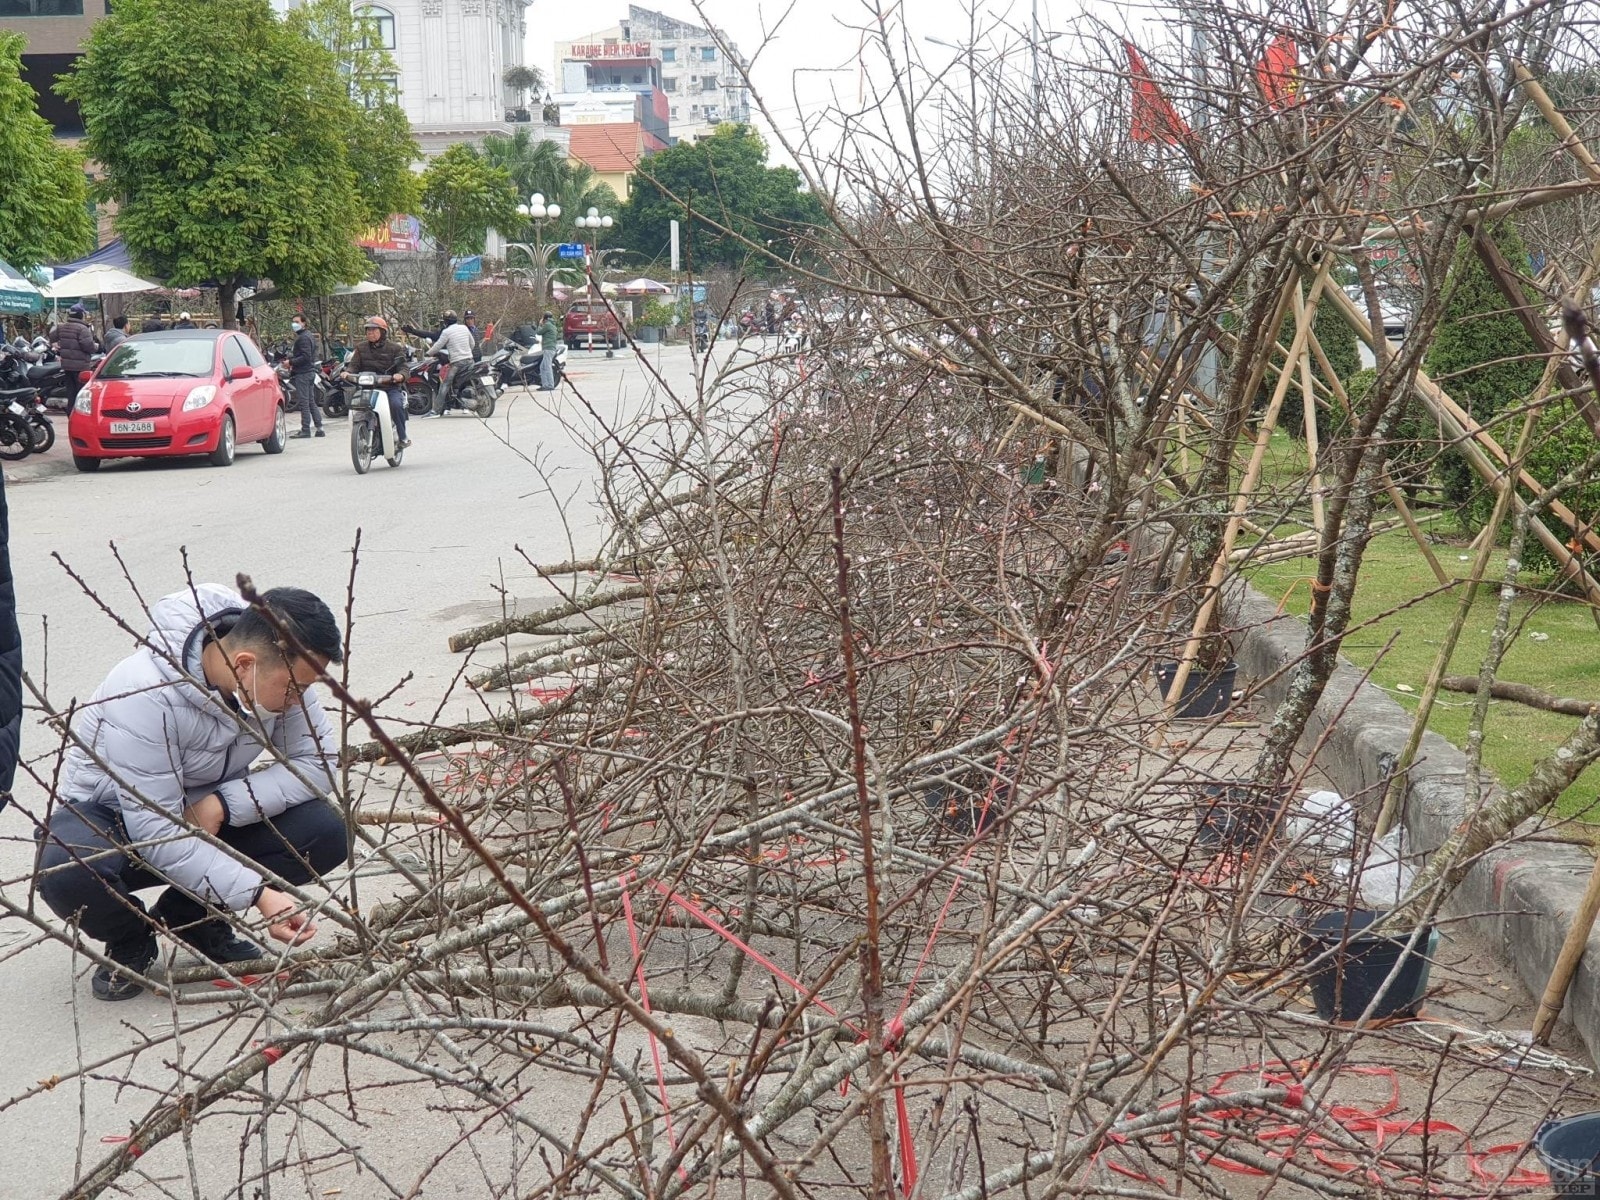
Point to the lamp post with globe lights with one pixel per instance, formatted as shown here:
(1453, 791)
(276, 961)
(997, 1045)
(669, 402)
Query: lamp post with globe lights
(589, 226)
(536, 212)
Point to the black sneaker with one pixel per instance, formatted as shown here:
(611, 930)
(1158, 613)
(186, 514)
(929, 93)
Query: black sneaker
(320, 432)
(217, 942)
(110, 984)
(304, 433)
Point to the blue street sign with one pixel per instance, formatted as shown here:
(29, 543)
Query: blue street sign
(570, 250)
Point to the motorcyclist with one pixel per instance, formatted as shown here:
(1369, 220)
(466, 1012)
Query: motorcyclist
(387, 360)
(454, 340)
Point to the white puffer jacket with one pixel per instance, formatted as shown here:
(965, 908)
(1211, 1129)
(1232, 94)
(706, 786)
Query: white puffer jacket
(170, 740)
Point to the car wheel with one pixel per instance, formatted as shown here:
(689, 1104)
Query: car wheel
(222, 456)
(280, 433)
(87, 465)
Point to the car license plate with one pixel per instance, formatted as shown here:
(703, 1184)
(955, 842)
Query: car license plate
(133, 427)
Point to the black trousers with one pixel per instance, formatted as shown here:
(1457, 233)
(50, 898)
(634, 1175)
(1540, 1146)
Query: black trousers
(305, 394)
(87, 872)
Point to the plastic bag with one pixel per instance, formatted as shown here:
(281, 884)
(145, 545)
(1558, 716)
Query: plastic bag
(1324, 824)
(1385, 875)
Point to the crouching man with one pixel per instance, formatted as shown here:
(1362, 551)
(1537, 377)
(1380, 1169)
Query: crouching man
(170, 737)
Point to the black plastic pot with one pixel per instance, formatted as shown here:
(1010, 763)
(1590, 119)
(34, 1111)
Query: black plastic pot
(1347, 979)
(1234, 816)
(1203, 695)
(1569, 1148)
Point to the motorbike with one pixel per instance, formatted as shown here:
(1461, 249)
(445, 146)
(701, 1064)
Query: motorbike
(476, 393)
(372, 431)
(17, 430)
(422, 384)
(330, 389)
(702, 337)
(518, 366)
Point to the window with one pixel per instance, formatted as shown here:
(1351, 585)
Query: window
(377, 89)
(694, 112)
(616, 79)
(41, 8)
(152, 355)
(708, 54)
(669, 85)
(232, 356)
(669, 54)
(251, 354)
(674, 112)
(379, 28)
(710, 83)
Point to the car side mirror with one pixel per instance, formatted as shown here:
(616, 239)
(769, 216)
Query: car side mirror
(85, 376)
(242, 371)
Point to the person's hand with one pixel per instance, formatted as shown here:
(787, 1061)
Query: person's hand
(208, 813)
(284, 922)
(399, 378)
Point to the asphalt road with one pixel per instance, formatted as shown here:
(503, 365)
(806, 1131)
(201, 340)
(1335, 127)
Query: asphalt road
(442, 538)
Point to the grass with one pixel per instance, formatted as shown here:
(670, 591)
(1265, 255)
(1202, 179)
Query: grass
(1403, 638)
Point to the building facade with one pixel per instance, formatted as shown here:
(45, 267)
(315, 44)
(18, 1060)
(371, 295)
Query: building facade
(700, 79)
(612, 106)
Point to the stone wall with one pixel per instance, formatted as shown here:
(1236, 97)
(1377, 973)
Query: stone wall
(1520, 898)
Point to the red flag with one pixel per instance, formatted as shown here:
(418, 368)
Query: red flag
(1154, 118)
(1278, 72)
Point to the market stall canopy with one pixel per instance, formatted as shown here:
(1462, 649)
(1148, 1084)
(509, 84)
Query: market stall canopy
(364, 288)
(113, 254)
(100, 279)
(17, 295)
(644, 287)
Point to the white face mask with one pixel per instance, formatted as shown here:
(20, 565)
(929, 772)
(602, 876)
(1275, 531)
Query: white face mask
(242, 697)
(296, 326)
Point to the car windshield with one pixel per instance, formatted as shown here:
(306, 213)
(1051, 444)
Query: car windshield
(160, 359)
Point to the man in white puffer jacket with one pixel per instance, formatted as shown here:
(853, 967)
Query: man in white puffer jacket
(164, 749)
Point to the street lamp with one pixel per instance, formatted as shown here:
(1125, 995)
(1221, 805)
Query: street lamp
(592, 223)
(536, 212)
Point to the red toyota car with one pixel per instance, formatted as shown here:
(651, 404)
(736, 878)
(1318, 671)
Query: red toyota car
(178, 392)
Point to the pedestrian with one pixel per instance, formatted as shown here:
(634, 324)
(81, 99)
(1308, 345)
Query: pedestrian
(770, 313)
(303, 375)
(161, 756)
(117, 334)
(74, 342)
(549, 340)
(184, 322)
(153, 324)
(470, 320)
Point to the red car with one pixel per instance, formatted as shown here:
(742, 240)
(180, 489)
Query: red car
(590, 322)
(178, 392)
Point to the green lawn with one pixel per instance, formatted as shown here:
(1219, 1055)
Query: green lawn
(1567, 663)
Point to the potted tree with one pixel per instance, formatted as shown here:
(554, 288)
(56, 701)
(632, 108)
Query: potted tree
(523, 80)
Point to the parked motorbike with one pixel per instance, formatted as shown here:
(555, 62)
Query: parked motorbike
(44, 429)
(330, 389)
(372, 431)
(16, 431)
(422, 384)
(518, 366)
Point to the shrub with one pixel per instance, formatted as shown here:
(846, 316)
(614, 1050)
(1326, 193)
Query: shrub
(1338, 342)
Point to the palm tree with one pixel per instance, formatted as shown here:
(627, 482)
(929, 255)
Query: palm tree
(534, 166)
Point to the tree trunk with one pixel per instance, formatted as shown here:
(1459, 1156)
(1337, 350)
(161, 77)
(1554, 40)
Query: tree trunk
(228, 304)
(1520, 693)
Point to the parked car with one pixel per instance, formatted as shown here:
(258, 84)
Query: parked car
(178, 392)
(591, 321)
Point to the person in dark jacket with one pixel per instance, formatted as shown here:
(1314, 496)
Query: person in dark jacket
(387, 360)
(10, 661)
(164, 750)
(303, 375)
(118, 334)
(184, 321)
(74, 342)
(153, 325)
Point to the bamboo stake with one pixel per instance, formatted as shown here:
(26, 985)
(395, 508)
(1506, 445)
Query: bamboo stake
(1308, 406)
(1219, 568)
(1555, 990)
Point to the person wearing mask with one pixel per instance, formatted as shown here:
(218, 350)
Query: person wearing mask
(117, 334)
(163, 751)
(74, 342)
(549, 339)
(386, 360)
(303, 377)
(184, 322)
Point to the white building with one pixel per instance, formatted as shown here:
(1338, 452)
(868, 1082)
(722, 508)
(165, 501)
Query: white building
(701, 79)
(452, 56)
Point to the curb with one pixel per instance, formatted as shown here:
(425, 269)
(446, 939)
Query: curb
(1519, 898)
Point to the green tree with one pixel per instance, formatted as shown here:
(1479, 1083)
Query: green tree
(1483, 357)
(221, 133)
(463, 197)
(523, 80)
(722, 180)
(378, 140)
(534, 165)
(44, 197)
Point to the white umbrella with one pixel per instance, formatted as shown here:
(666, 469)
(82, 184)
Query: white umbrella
(344, 289)
(644, 287)
(97, 280)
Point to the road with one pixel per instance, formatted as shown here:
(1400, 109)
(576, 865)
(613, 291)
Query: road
(441, 536)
